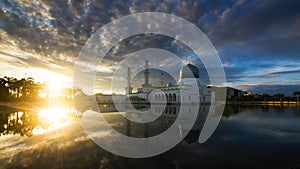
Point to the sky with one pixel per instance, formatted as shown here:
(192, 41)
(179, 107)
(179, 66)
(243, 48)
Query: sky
(258, 41)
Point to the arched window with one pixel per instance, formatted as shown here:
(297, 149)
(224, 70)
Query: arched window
(170, 97)
(174, 97)
(167, 97)
(174, 110)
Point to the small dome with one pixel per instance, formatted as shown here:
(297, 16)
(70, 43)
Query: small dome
(189, 71)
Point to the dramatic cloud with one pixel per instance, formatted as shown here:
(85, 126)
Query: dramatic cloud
(258, 41)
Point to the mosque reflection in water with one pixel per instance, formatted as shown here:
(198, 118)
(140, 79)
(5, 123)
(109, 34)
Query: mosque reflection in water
(188, 120)
(167, 118)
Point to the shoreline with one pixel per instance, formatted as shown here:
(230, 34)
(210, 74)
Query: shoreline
(22, 104)
(31, 105)
(267, 103)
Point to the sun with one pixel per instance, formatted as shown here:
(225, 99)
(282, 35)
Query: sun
(55, 81)
(56, 86)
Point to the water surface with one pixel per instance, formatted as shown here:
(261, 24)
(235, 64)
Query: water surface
(247, 137)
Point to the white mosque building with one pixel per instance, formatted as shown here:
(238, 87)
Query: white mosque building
(187, 90)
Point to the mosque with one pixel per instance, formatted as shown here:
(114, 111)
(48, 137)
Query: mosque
(188, 88)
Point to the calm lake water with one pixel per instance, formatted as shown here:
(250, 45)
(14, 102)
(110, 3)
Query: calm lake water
(247, 137)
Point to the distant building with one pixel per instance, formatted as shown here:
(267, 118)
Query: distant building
(233, 93)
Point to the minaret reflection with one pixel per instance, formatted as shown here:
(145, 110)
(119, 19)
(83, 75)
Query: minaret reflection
(167, 118)
(128, 127)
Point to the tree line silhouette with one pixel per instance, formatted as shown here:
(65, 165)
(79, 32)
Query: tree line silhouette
(26, 89)
(267, 97)
(13, 89)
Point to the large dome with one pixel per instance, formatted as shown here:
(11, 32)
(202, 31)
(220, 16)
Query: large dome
(189, 71)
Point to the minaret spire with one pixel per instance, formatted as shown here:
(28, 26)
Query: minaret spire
(161, 80)
(146, 73)
(128, 88)
(146, 85)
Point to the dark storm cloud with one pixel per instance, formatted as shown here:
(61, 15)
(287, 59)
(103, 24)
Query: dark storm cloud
(254, 20)
(55, 27)
(265, 28)
(139, 42)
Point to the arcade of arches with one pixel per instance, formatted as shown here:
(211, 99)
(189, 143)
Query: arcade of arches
(166, 97)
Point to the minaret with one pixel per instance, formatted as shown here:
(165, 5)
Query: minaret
(128, 88)
(146, 85)
(146, 73)
(161, 80)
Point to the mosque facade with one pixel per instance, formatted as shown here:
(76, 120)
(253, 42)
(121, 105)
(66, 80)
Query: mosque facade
(188, 88)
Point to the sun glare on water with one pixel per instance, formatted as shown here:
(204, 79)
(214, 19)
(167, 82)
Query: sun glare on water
(56, 93)
(53, 118)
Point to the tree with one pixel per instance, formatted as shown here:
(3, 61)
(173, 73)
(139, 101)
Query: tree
(12, 89)
(30, 89)
(278, 96)
(15, 86)
(264, 97)
(4, 91)
(297, 94)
